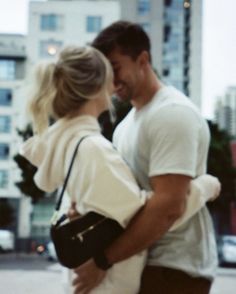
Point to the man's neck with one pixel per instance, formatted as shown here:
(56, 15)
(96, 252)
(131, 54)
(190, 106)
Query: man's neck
(148, 91)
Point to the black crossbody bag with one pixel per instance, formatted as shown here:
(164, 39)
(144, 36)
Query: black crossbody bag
(82, 238)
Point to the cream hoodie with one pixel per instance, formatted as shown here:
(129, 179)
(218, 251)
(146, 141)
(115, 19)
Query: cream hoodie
(100, 180)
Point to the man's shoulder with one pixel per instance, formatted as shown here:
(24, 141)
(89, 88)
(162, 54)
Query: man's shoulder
(172, 105)
(170, 96)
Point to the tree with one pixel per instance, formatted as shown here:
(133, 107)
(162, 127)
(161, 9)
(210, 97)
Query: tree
(119, 112)
(27, 185)
(220, 165)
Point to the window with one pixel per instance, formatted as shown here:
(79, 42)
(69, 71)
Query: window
(168, 2)
(5, 97)
(4, 151)
(143, 7)
(49, 48)
(5, 124)
(167, 31)
(93, 24)
(3, 179)
(7, 69)
(186, 71)
(166, 72)
(51, 22)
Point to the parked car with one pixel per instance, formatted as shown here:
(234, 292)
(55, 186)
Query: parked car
(227, 250)
(47, 250)
(7, 241)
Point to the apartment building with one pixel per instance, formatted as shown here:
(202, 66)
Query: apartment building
(225, 111)
(12, 74)
(175, 30)
(52, 25)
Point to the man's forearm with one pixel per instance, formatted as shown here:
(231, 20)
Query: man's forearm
(149, 225)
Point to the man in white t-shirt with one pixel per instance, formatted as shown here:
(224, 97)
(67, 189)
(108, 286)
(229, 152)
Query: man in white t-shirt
(165, 141)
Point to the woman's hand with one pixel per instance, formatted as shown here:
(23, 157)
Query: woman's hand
(88, 276)
(73, 213)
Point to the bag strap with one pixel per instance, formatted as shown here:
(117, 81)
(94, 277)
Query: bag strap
(58, 204)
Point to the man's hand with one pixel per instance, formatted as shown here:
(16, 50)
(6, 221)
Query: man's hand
(88, 276)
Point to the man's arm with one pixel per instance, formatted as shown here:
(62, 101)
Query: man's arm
(149, 224)
(154, 220)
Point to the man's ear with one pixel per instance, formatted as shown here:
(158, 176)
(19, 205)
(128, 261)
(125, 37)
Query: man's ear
(143, 58)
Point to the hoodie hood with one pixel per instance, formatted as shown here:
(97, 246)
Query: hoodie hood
(49, 151)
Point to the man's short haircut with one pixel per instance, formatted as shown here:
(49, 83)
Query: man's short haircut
(128, 37)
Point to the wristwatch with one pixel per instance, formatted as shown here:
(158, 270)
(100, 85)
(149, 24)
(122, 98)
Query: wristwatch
(101, 261)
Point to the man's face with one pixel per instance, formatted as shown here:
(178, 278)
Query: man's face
(127, 75)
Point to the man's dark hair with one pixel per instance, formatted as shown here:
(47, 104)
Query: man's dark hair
(128, 37)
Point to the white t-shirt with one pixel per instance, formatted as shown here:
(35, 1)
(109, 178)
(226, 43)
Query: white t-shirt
(169, 136)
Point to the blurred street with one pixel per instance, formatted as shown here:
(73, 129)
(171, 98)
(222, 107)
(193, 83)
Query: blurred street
(32, 274)
(29, 274)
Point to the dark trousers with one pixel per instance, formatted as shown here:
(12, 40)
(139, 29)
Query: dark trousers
(161, 280)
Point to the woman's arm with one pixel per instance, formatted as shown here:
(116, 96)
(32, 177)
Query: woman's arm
(202, 189)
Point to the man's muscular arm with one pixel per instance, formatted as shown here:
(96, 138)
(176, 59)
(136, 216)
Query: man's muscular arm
(154, 219)
(150, 224)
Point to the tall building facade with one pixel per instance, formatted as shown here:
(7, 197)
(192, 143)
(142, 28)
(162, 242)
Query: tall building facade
(225, 111)
(175, 30)
(12, 74)
(53, 25)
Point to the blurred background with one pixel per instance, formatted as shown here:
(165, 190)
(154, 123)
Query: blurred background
(193, 48)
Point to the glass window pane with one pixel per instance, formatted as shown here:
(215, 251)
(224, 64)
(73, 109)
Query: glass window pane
(143, 7)
(5, 97)
(7, 70)
(4, 151)
(5, 124)
(93, 24)
(174, 45)
(51, 22)
(3, 179)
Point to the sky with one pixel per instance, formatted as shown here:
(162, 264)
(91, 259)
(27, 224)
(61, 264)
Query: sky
(219, 43)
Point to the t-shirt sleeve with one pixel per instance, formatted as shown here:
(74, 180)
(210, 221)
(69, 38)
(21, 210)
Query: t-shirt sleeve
(173, 141)
(105, 183)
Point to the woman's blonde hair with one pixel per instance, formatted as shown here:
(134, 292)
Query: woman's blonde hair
(60, 88)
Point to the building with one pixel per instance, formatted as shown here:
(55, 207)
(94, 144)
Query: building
(175, 30)
(225, 111)
(174, 27)
(55, 24)
(12, 74)
(52, 25)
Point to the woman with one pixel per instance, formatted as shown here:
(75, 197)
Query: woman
(75, 91)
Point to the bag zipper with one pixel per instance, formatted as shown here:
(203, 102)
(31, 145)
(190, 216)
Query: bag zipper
(80, 235)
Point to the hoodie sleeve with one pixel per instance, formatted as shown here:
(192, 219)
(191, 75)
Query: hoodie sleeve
(104, 183)
(33, 150)
(49, 175)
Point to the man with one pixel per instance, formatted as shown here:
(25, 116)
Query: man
(165, 141)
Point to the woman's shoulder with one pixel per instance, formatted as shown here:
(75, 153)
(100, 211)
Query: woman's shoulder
(96, 144)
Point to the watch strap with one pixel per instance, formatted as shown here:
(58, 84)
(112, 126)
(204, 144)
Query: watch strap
(101, 261)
